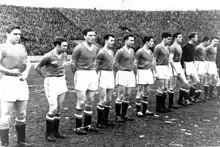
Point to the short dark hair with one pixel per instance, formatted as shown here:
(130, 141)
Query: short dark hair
(107, 36)
(127, 36)
(205, 38)
(192, 35)
(166, 35)
(12, 27)
(175, 35)
(87, 30)
(59, 40)
(147, 39)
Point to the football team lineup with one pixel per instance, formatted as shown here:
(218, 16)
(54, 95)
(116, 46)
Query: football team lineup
(164, 87)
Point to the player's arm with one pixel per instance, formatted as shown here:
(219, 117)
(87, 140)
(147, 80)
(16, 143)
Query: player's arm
(66, 61)
(137, 58)
(98, 60)
(135, 65)
(218, 59)
(11, 72)
(153, 64)
(182, 58)
(42, 63)
(75, 57)
(27, 69)
(171, 56)
(117, 60)
(156, 55)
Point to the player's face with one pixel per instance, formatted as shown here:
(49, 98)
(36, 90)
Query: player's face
(63, 47)
(130, 42)
(110, 42)
(151, 42)
(215, 42)
(195, 39)
(14, 36)
(207, 43)
(179, 38)
(168, 40)
(90, 37)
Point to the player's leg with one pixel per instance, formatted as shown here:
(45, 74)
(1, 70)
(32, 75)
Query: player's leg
(194, 92)
(141, 79)
(183, 91)
(50, 86)
(165, 94)
(81, 82)
(214, 80)
(206, 87)
(160, 96)
(62, 89)
(218, 88)
(190, 69)
(6, 112)
(101, 107)
(106, 87)
(50, 116)
(120, 79)
(130, 83)
(125, 104)
(57, 118)
(139, 100)
(201, 84)
(145, 101)
(88, 112)
(20, 109)
(172, 86)
(107, 108)
(118, 102)
(80, 106)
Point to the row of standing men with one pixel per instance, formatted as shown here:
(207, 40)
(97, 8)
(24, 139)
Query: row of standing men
(101, 70)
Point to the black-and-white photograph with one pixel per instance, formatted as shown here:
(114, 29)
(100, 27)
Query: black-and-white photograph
(109, 73)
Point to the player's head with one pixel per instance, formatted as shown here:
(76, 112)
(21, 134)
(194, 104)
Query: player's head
(149, 41)
(167, 38)
(129, 40)
(215, 41)
(178, 37)
(193, 37)
(89, 35)
(109, 40)
(13, 33)
(206, 40)
(61, 44)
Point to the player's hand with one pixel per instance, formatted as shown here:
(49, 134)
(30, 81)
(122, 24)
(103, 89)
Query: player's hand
(23, 78)
(135, 70)
(15, 72)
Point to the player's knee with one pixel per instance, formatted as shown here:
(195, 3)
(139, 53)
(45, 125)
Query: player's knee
(118, 100)
(80, 104)
(165, 91)
(102, 102)
(52, 109)
(159, 92)
(89, 103)
(107, 102)
(138, 100)
(50, 116)
(21, 118)
(126, 98)
(121, 95)
(4, 121)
